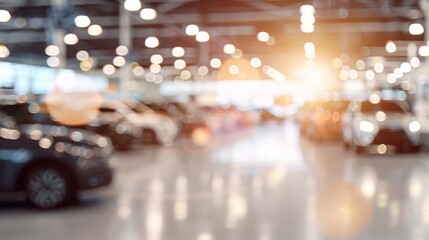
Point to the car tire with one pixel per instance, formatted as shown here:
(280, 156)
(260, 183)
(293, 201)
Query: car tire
(48, 187)
(148, 136)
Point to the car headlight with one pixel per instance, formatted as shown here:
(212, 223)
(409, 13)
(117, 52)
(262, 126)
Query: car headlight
(366, 126)
(414, 126)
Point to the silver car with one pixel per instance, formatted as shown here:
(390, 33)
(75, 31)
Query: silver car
(381, 126)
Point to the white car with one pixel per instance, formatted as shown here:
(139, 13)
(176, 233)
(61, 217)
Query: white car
(156, 128)
(381, 126)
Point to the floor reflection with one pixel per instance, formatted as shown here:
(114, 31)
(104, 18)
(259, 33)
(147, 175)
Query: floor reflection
(265, 183)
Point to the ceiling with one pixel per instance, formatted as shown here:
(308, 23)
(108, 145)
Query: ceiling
(341, 26)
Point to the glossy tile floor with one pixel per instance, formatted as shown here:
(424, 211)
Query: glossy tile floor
(264, 183)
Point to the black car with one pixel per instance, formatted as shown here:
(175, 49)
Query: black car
(52, 163)
(121, 132)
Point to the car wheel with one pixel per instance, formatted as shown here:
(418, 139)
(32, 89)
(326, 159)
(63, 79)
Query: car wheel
(48, 187)
(148, 136)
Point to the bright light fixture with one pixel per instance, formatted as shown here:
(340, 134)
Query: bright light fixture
(53, 62)
(179, 64)
(416, 29)
(71, 39)
(255, 62)
(263, 36)
(156, 59)
(119, 61)
(132, 5)
(178, 52)
(109, 69)
(215, 63)
(229, 48)
(192, 30)
(151, 42)
(52, 50)
(202, 36)
(95, 30)
(390, 47)
(4, 51)
(82, 21)
(4, 15)
(148, 14)
(82, 55)
(122, 50)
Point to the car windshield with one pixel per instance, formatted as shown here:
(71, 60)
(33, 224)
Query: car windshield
(382, 106)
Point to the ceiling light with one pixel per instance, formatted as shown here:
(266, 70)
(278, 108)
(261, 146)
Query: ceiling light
(109, 69)
(415, 62)
(255, 62)
(178, 52)
(309, 47)
(215, 63)
(151, 42)
(148, 14)
(192, 30)
(4, 15)
(86, 65)
(155, 68)
(378, 67)
(263, 37)
(82, 21)
(82, 55)
(95, 30)
(370, 75)
(52, 50)
(202, 36)
(179, 64)
(416, 29)
(406, 67)
(360, 64)
(229, 49)
(122, 50)
(391, 78)
(4, 51)
(156, 59)
(185, 74)
(234, 69)
(53, 62)
(390, 47)
(71, 39)
(307, 28)
(203, 70)
(138, 71)
(424, 51)
(119, 61)
(308, 19)
(132, 5)
(307, 9)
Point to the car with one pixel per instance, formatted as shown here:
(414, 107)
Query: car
(380, 126)
(156, 128)
(108, 123)
(51, 164)
(188, 116)
(325, 122)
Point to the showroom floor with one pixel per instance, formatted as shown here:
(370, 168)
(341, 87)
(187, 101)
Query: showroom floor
(264, 183)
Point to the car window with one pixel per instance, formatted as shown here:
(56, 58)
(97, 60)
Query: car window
(381, 106)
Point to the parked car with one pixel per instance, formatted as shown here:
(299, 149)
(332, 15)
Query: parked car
(380, 127)
(156, 128)
(187, 115)
(52, 163)
(107, 123)
(325, 121)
